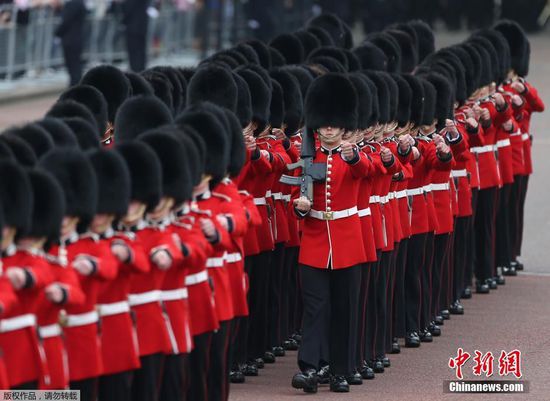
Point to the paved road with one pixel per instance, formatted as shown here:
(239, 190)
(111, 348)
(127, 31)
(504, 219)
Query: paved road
(515, 316)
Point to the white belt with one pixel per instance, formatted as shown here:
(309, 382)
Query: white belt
(503, 143)
(215, 262)
(374, 199)
(82, 319)
(440, 187)
(384, 199)
(277, 196)
(233, 257)
(339, 214)
(268, 194)
(459, 173)
(260, 201)
(17, 322)
(391, 195)
(196, 278)
(415, 191)
(364, 212)
(525, 136)
(482, 149)
(114, 308)
(51, 330)
(517, 133)
(401, 194)
(286, 198)
(427, 188)
(174, 295)
(144, 298)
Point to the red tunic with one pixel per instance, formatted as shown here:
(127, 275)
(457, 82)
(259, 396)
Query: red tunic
(154, 332)
(237, 212)
(325, 243)
(209, 205)
(8, 299)
(364, 204)
(50, 330)
(119, 346)
(81, 323)
(174, 296)
(202, 309)
(23, 355)
(419, 188)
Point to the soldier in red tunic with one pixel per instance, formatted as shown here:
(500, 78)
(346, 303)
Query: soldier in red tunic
(84, 254)
(18, 331)
(330, 268)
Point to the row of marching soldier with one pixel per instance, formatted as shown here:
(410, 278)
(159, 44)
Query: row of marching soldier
(150, 250)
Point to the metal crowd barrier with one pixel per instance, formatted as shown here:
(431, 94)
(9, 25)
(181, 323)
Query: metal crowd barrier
(29, 48)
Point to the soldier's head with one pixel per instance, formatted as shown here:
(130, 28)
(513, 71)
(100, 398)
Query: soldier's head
(16, 200)
(113, 183)
(75, 174)
(176, 175)
(47, 211)
(145, 179)
(331, 108)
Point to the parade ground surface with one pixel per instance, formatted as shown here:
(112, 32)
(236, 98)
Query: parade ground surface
(516, 316)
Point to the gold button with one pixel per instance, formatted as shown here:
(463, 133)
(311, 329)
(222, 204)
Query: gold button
(328, 186)
(328, 201)
(329, 165)
(329, 172)
(328, 193)
(328, 208)
(328, 179)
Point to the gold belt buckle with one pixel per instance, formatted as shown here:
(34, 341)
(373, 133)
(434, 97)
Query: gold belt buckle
(328, 215)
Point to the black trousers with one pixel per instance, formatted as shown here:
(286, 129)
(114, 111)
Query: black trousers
(382, 315)
(72, 55)
(471, 254)
(136, 44)
(289, 292)
(517, 203)
(480, 13)
(440, 274)
(87, 387)
(398, 311)
(362, 313)
(370, 317)
(27, 386)
(426, 291)
(275, 296)
(485, 233)
(460, 255)
(390, 293)
(175, 377)
(330, 316)
(503, 244)
(258, 305)
(414, 268)
(199, 360)
(523, 194)
(116, 387)
(218, 375)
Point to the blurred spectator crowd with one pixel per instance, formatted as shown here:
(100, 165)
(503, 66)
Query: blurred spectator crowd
(38, 35)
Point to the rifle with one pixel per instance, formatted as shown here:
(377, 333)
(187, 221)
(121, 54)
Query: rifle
(311, 172)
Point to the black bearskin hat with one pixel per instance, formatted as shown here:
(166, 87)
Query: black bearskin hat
(112, 83)
(93, 99)
(139, 114)
(113, 181)
(74, 172)
(331, 101)
(213, 84)
(145, 172)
